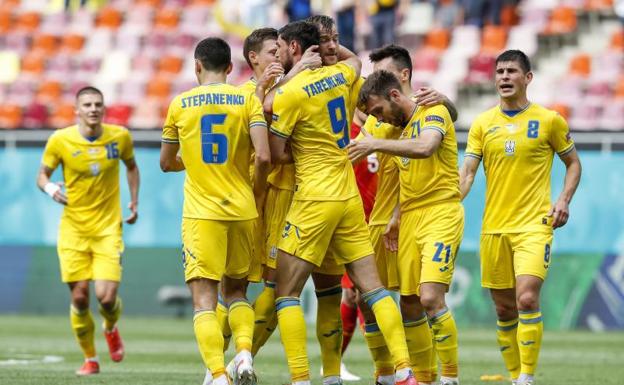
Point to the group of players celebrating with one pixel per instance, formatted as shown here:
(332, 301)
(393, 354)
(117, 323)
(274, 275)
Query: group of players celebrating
(270, 195)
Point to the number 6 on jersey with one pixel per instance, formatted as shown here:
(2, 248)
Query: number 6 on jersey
(214, 146)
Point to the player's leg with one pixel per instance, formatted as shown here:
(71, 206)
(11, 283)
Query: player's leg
(292, 273)
(222, 319)
(107, 252)
(76, 264)
(497, 275)
(348, 312)
(265, 319)
(531, 262)
(382, 359)
(328, 321)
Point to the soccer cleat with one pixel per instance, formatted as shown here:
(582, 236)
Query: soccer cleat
(245, 374)
(410, 380)
(449, 381)
(115, 345)
(346, 374)
(207, 377)
(88, 368)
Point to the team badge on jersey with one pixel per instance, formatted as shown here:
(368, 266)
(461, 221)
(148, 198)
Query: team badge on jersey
(95, 169)
(510, 147)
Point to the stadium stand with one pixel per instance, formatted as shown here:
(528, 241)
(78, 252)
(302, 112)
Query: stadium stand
(138, 53)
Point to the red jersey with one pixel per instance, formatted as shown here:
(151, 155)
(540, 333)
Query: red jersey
(366, 176)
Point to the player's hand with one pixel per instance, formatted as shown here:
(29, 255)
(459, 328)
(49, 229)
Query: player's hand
(272, 72)
(55, 191)
(560, 213)
(260, 198)
(391, 235)
(427, 96)
(311, 58)
(134, 214)
(361, 148)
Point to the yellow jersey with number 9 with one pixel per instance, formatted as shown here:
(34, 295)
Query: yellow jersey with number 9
(433, 180)
(212, 124)
(517, 153)
(91, 175)
(312, 110)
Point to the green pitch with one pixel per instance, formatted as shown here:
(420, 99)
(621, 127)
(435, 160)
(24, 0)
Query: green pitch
(163, 351)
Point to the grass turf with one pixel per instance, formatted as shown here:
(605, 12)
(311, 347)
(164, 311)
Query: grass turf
(163, 351)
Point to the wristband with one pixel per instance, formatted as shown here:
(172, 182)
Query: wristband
(51, 189)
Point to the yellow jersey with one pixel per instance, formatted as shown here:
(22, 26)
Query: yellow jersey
(517, 155)
(429, 181)
(212, 124)
(250, 86)
(91, 175)
(387, 194)
(311, 110)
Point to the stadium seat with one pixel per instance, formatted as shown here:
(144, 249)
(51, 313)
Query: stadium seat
(49, 91)
(418, 19)
(54, 24)
(580, 65)
(166, 19)
(494, 39)
(146, 115)
(481, 69)
(72, 43)
(27, 22)
(10, 116)
(118, 114)
(35, 116)
(438, 39)
(159, 89)
(562, 21)
(466, 40)
(19, 42)
(524, 38)
(109, 17)
(584, 117)
(169, 65)
(599, 5)
(613, 116)
(10, 64)
(618, 93)
(617, 41)
(33, 65)
(562, 109)
(99, 44)
(6, 20)
(63, 115)
(44, 44)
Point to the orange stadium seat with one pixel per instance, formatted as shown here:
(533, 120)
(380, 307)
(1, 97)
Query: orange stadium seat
(72, 43)
(619, 88)
(64, 115)
(562, 109)
(509, 15)
(6, 19)
(167, 18)
(580, 65)
(109, 17)
(562, 21)
(10, 116)
(152, 3)
(49, 92)
(158, 89)
(494, 39)
(169, 65)
(33, 64)
(617, 41)
(28, 21)
(44, 44)
(438, 38)
(598, 5)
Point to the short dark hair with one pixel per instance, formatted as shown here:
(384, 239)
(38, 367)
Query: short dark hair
(517, 56)
(325, 22)
(304, 33)
(399, 55)
(254, 41)
(88, 90)
(379, 83)
(214, 54)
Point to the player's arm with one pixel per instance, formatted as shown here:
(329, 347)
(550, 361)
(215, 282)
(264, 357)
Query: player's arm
(134, 179)
(391, 234)
(467, 173)
(560, 210)
(311, 59)
(52, 189)
(280, 149)
(418, 148)
(348, 57)
(427, 96)
(170, 160)
(270, 74)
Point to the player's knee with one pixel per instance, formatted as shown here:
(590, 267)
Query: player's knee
(432, 302)
(80, 299)
(108, 301)
(506, 311)
(528, 301)
(411, 308)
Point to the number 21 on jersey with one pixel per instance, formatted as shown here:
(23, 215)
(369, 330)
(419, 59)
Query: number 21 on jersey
(338, 118)
(214, 146)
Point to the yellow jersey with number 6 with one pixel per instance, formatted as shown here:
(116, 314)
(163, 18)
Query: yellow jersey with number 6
(517, 153)
(212, 124)
(312, 110)
(91, 175)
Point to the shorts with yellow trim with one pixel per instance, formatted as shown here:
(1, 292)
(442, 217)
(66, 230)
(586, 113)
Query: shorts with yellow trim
(212, 248)
(258, 256)
(429, 240)
(508, 255)
(335, 231)
(275, 209)
(386, 259)
(85, 258)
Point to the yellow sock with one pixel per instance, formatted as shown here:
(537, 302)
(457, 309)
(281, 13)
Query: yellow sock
(389, 321)
(210, 341)
(224, 325)
(241, 318)
(293, 332)
(82, 324)
(379, 350)
(418, 336)
(111, 316)
(506, 335)
(445, 334)
(265, 317)
(434, 359)
(530, 330)
(329, 329)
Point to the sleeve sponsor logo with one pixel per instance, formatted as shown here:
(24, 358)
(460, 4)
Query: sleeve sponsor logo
(434, 118)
